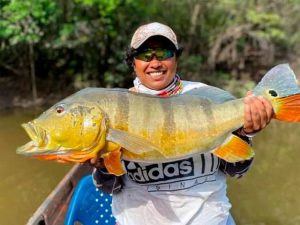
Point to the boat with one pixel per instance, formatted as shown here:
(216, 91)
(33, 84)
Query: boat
(54, 208)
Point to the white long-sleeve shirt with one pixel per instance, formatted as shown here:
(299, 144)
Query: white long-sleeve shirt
(190, 190)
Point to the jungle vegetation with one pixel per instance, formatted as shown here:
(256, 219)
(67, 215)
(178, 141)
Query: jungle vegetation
(55, 47)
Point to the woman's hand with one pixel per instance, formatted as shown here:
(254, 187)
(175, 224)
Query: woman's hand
(258, 113)
(97, 162)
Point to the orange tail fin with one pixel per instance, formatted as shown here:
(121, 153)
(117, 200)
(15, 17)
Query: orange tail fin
(280, 87)
(287, 108)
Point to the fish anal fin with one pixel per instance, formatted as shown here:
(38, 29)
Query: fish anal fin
(234, 149)
(112, 159)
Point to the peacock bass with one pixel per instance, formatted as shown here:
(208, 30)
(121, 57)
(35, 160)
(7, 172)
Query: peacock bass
(116, 123)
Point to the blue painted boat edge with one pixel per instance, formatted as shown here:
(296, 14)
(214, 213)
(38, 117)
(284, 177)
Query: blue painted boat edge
(53, 209)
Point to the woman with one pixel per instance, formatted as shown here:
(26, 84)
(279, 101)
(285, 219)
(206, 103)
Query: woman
(196, 193)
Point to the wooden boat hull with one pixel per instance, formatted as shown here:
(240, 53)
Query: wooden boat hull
(53, 210)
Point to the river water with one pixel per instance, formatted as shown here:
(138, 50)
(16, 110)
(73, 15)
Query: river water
(267, 195)
(24, 182)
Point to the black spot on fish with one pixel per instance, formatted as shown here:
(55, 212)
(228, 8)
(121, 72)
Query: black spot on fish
(273, 93)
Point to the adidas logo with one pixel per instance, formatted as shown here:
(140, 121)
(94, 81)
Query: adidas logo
(159, 172)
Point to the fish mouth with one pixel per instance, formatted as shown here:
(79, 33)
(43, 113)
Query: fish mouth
(38, 138)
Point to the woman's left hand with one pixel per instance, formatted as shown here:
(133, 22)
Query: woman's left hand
(258, 113)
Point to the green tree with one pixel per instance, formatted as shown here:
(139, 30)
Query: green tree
(63, 45)
(23, 23)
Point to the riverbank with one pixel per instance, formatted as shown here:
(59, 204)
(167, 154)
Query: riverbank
(8, 102)
(15, 93)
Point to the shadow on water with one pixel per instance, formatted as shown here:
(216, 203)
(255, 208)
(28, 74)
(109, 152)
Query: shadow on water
(24, 182)
(268, 194)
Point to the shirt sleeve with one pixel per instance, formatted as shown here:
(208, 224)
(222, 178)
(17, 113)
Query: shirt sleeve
(237, 169)
(106, 182)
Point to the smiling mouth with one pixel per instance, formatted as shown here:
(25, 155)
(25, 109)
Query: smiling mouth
(156, 73)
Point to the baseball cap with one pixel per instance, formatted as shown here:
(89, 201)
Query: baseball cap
(152, 29)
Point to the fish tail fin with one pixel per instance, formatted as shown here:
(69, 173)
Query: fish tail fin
(280, 87)
(234, 149)
(287, 108)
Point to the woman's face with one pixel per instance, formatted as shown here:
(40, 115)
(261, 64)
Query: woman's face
(155, 74)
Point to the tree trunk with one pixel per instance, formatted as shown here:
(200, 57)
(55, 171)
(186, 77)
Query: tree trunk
(192, 31)
(32, 72)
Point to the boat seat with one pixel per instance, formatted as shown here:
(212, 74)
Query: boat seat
(89, 205)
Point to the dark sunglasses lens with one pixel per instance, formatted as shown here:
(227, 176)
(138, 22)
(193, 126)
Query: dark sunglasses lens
(145, 56)
(163, 54)
(160, 54)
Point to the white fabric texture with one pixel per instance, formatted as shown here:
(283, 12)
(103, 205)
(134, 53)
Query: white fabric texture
(188, 191)
(140, 88)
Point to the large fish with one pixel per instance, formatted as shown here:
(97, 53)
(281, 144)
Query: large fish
(116, 123)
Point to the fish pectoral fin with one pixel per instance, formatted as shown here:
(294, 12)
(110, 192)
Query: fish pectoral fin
(112, 162)
(234, 149)
(132, 143)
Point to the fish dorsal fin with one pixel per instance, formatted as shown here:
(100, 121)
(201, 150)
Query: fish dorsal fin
(132, 143)
(213, 94)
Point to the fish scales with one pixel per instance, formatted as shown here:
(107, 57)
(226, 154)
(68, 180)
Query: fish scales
(173, 124)
(177, 125)
(122, 112)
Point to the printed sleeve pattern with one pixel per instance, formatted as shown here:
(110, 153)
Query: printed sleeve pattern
(106, 182)
(237, 169)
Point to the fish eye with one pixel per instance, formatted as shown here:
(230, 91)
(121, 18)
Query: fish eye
(273, 93)
(59, 109)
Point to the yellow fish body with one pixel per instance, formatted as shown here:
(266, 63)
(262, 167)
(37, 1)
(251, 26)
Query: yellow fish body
(116, 123)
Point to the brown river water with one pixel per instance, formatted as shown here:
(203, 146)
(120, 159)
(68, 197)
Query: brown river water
(267, 195)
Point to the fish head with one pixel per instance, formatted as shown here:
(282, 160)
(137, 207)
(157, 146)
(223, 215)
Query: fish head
(64, 129)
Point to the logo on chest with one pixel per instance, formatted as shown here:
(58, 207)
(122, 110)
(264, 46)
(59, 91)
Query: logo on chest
(143, 173)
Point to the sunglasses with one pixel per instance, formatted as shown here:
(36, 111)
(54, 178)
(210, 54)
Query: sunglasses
(159, 53)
